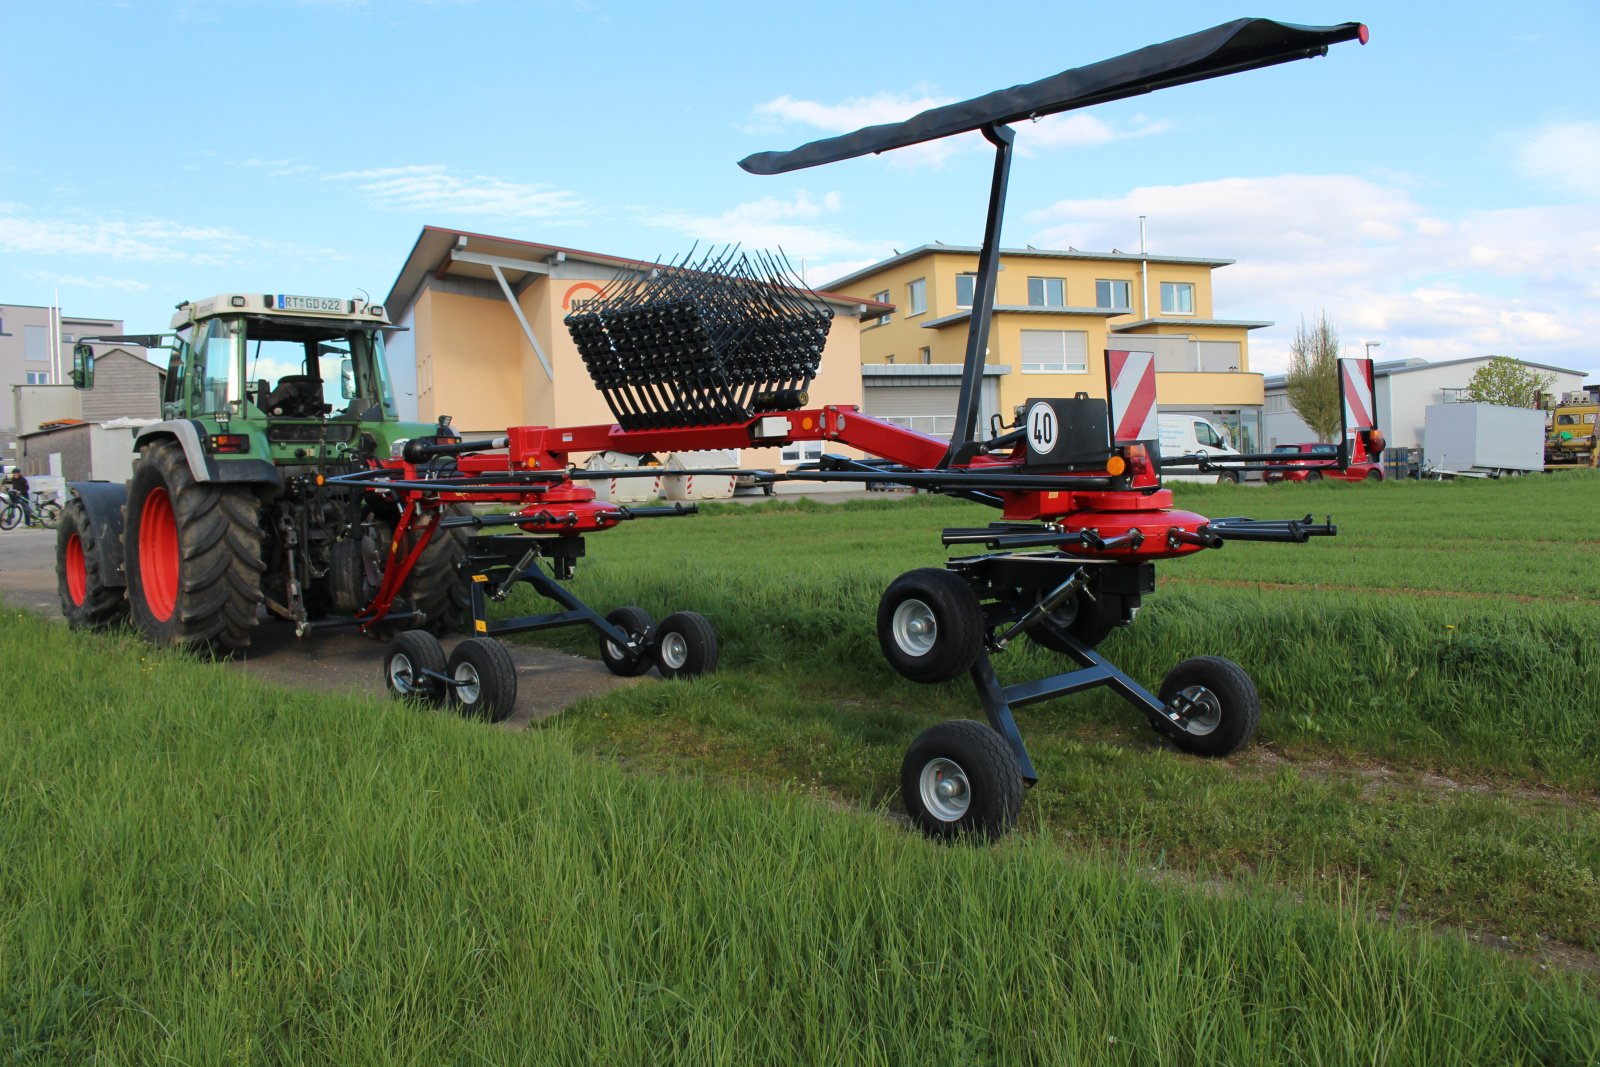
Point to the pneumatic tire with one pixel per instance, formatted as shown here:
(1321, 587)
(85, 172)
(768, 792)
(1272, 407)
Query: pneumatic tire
(437, 585)
(87, 601)
(192, 555)
(1218, 702)
(486, 679)
(960, 778)
(930, 625)
(409, 656)
(638, 625)
(686, 646)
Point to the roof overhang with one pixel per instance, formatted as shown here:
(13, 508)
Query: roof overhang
(448, 253)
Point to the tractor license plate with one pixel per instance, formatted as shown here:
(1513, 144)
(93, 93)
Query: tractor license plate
(311, 303)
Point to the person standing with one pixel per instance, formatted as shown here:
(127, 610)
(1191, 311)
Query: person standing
(17, 486)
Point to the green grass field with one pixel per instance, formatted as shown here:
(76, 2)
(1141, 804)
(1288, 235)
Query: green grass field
(198, 868)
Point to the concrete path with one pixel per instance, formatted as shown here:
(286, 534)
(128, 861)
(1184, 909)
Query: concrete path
(547, 682)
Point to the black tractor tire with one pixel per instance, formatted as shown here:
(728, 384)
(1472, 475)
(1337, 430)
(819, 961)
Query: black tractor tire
(930, 625)
(686, 646)
(87, 601)
(961, 779)
(437, 586)
(192, 555)
(486, 677)
(410, 654)
(1225, 711)
(638, 625)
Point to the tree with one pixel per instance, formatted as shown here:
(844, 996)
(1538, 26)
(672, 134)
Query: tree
(1313, 379)
(1506, 381)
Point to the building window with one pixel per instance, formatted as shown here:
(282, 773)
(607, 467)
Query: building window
(917, 296)
(888, 360)
(883, 298)
(966, 285)
(1055, 352)
(35, 343)
(1111, 293)
(1177, 298)
(801, 452)
(38, 377)
(1047, 292)
(1277, 403)
(927, 354)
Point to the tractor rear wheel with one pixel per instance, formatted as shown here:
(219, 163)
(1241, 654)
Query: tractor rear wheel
(192, 554)
(436, 586)
(87, 602)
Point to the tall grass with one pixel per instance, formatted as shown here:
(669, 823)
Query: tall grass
(1496, 683)
(198, 868)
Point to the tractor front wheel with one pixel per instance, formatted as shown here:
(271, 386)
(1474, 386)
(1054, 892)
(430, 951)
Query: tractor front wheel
(192, 554)
(87, 601)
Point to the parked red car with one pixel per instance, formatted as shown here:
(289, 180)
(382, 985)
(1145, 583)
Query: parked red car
(1361, 469)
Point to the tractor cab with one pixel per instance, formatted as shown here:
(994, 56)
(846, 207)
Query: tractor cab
(279, 357)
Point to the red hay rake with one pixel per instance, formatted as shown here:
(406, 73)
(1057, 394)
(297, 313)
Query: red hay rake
(719, 353)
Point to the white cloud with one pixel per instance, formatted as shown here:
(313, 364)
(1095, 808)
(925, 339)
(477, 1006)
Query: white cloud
(1565, 156)
(97, 282)
(432, 189)
(147, 240)
(1517, 281)
(797, 225)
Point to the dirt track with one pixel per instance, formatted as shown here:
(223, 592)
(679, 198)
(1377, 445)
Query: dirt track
(547, 681)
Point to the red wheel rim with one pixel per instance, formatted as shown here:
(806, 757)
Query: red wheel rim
(77, 571)
(158, 554)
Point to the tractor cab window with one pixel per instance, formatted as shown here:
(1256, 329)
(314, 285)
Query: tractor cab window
(216, 377)
(308, 371)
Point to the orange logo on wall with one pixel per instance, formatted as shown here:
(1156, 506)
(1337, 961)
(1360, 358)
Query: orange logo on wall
(566, 301)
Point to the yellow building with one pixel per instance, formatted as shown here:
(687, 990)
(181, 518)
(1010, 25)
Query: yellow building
(1055, 315)
(483, 330)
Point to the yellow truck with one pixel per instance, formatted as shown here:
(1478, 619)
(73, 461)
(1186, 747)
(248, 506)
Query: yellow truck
(1571, 441)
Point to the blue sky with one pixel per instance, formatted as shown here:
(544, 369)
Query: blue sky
(1437, 190)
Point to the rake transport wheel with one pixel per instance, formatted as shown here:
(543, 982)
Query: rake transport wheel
(638, 625)
(1219, 706)
(87, 602)
(960, 778)
(410, 654)
(686, 646)
(930, 625)
(192, 555)
(1090, 621)
(485, 677)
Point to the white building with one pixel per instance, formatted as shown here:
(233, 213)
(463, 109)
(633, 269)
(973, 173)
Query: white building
(1404, 389)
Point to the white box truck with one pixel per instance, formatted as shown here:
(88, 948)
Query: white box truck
(1481, 441)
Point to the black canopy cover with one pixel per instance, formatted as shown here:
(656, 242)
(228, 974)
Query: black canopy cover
(1241, 45)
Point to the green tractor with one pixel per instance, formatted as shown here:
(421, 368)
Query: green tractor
(230, 508)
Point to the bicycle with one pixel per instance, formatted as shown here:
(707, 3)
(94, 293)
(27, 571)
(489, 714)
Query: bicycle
(46, 513)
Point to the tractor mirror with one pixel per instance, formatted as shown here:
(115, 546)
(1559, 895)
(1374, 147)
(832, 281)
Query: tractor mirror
(82, 367)
(347, 379)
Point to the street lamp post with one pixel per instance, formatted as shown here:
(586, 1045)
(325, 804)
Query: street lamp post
(1371, 345)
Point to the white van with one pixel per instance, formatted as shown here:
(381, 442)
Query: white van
(1185, 434)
